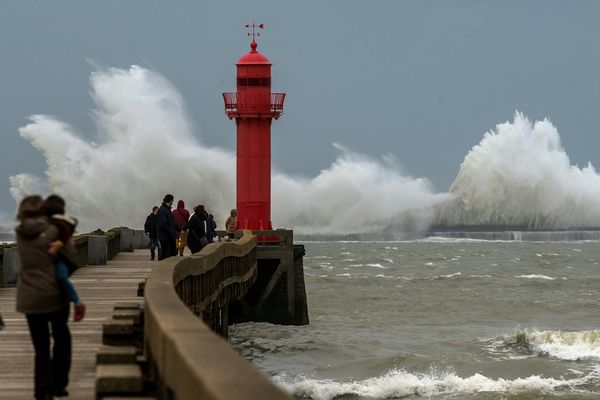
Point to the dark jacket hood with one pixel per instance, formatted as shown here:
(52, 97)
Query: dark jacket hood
(180, 204)
(31, 227)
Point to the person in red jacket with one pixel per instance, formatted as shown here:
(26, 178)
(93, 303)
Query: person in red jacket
(181, 216)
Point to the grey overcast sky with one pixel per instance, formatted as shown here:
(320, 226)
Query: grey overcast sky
(422, 80)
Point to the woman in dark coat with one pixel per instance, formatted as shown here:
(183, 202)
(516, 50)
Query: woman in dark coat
(196, 227)
(40, 298)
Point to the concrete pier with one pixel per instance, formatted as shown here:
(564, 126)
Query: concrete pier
(174, 329)
(140, 239)
(97, 250)
(127, 240)
(12, 266)
(278, 296)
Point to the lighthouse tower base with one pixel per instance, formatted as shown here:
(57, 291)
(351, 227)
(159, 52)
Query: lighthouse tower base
(278, 296)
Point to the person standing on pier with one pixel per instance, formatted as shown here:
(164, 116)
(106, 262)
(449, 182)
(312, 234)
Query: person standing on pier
(181, 215)
(40, 298)
(197, 230)
(166, 229)
(150, 229)
(211, 228)
(231, 224)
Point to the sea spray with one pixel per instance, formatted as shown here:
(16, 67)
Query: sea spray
(520, 175)
(355, 194)
(145, 147)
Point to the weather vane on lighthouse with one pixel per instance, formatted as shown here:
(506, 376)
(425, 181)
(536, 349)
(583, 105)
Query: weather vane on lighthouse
(254, 33)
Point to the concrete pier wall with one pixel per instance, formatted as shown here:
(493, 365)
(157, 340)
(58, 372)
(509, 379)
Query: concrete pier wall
(12, 266)
(188, 359)
(278, 296)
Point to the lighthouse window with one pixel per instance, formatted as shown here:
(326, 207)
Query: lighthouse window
(254, 81)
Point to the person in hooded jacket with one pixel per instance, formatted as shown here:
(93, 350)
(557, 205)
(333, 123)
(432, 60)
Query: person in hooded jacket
(211, 228)
(231, 224)
(40, 298)
(166, 229)
(197, 230)
(181, 215)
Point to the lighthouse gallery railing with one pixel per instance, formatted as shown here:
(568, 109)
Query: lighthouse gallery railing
(231, 102)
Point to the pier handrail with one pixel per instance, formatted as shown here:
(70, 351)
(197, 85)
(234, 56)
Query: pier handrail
(191, 360)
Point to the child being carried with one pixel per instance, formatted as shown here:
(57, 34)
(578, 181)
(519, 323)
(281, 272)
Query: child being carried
(55, 211)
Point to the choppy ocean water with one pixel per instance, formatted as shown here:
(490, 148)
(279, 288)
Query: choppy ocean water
(441, 319)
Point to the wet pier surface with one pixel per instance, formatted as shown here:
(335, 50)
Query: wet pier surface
(100, 288)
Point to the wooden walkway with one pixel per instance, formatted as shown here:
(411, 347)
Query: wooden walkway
(99, 287)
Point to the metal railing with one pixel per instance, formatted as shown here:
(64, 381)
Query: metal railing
(233, 104)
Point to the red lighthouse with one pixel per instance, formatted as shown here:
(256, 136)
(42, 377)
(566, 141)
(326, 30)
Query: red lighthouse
(253, 106)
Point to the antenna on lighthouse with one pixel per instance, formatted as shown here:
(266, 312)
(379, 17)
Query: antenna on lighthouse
(254, 33)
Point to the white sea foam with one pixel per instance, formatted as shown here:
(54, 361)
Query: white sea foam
(398, 383)
(520, 175)
(451, 275)
(443, 239)
(145, 147)
(581, 345)
(376, 265)
(536, 276)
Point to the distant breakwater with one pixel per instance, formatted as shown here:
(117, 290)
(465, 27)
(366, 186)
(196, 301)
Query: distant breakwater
(482, 232)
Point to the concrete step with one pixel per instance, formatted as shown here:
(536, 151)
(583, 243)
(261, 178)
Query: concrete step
(118, 327)
(128, 398)
(118, 332)
(119, 379)
(127, 306)
(135, 315)
(116, 355)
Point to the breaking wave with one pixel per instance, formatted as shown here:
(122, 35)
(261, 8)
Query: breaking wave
(399, 383)
(520, 175)
(582, 345)
(145, 147)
